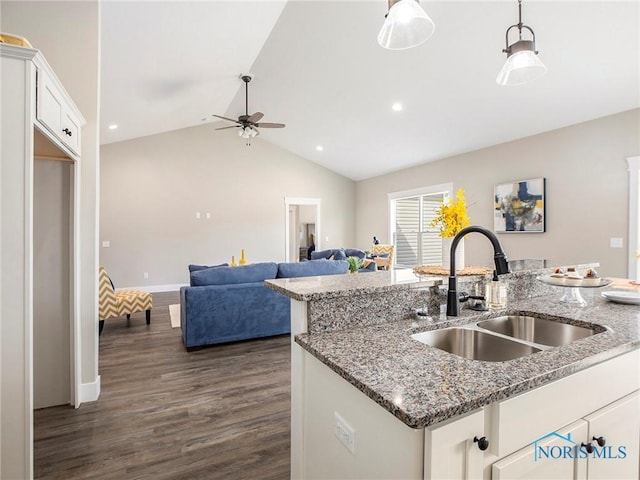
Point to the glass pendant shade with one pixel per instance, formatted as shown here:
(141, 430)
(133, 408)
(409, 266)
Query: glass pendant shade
(522, 66)
(407, 25)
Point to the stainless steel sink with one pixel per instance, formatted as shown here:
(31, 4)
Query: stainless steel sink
(536, 330)
(474, 344)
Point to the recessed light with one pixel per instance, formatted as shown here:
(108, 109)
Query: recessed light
(320, 148)
(396, 107)
(113, 127)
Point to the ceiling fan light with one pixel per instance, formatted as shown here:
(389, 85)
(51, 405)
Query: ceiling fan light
(522, 65)
(253, 132)
(407, 25)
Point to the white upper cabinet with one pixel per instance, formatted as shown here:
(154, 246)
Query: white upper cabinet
(56, 112)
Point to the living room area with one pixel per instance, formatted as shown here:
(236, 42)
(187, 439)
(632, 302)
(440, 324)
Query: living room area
(365, 126)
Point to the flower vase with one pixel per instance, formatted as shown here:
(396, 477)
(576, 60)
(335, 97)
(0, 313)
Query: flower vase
(446, 253)
(243, 259)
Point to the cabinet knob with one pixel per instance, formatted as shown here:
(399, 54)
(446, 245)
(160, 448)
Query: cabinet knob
(482, 442)
(601, 441)
(67, 131)
(587, 446)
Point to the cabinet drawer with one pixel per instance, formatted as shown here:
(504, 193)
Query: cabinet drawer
(54, 112)
(516, 421)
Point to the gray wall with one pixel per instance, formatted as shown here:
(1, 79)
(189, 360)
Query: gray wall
(152, 187)
(52, 189)
(587, 192)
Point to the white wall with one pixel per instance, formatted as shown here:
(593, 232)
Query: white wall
(587, 189)
(152, 187)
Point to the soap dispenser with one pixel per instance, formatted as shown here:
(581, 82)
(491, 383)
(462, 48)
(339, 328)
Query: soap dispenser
(496, 293)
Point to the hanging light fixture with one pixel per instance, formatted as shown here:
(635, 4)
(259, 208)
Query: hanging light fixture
(406, 25)
(523, 64)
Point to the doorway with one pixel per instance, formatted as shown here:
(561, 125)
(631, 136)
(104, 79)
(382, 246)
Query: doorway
(302, 227)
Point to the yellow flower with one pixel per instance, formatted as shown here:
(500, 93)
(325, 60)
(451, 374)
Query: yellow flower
(452, 217)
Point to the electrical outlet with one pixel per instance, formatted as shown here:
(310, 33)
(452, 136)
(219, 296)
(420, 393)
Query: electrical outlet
(615, 242)
(208, 215)
(344, 432)
(197, 214)
(146, 275)
(106, 244)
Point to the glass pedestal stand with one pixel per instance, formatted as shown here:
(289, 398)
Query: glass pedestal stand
(572, 294)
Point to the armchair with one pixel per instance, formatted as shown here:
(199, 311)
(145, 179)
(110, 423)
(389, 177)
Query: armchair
(117, 303)
(384, 255)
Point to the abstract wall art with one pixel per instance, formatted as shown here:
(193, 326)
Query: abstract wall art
(519, 207)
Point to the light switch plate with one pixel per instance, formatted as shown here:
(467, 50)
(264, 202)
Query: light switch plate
(106, 244)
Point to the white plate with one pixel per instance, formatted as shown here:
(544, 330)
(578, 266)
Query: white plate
(622, 296)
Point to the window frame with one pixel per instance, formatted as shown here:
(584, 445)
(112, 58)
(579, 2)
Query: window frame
(442, 188)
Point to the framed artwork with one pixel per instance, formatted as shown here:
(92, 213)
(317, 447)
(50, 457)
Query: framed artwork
(519, 207)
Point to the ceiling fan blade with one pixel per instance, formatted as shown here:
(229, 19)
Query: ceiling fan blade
(224, 128)
(270, 125)
(255, 117)
(225, 118)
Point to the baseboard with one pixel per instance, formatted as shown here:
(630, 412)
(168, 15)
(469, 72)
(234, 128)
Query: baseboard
(90, 392)
(160, 288)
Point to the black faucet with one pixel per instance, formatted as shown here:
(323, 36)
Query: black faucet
(499, 258)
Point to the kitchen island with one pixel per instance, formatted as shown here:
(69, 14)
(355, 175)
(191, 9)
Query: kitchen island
(368, 401)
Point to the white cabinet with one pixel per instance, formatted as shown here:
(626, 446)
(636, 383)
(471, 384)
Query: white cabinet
(541, 417)
(550, 458)
(450, 450)
(618, 425)
(55, 113)
(612, 435)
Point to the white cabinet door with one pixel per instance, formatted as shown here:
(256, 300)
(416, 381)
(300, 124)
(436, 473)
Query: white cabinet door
(451, 453)
(550, 458)
(619, 426)
(54, 112)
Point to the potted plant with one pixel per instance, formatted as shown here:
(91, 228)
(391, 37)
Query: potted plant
(354, 264)
(451, 218)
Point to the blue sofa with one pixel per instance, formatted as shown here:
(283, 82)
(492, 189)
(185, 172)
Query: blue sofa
(342, 254)
(227, 304)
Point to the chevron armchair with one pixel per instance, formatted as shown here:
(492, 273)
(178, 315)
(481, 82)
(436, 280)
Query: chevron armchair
(114, 303)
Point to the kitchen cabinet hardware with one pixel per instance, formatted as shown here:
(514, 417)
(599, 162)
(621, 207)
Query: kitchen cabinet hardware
(482, 442)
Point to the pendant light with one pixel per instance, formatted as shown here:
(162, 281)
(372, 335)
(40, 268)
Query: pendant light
(523, 64)
(406, 25)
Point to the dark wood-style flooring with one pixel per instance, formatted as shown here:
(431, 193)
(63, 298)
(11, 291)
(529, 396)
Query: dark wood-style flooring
(164, 413)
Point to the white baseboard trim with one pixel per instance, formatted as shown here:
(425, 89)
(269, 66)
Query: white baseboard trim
(160, 288)
(90, 392)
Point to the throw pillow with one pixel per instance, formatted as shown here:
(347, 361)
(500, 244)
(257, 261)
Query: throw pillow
(195, 268)
(254, 272)
(311, 269)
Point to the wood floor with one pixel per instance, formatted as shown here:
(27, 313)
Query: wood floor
(217, 413)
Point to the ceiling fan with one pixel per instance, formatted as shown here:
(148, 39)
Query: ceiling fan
(246, 124)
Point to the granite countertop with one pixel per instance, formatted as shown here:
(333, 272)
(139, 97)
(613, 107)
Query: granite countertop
(422, 385)
(335, 286)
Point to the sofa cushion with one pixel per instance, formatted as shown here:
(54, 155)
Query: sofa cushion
(255, 272)
(339, 255)
(311, 269)
(354, 252)
(320, 254)
(195, 268)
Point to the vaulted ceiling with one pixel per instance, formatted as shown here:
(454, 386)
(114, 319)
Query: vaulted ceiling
(318, 68)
